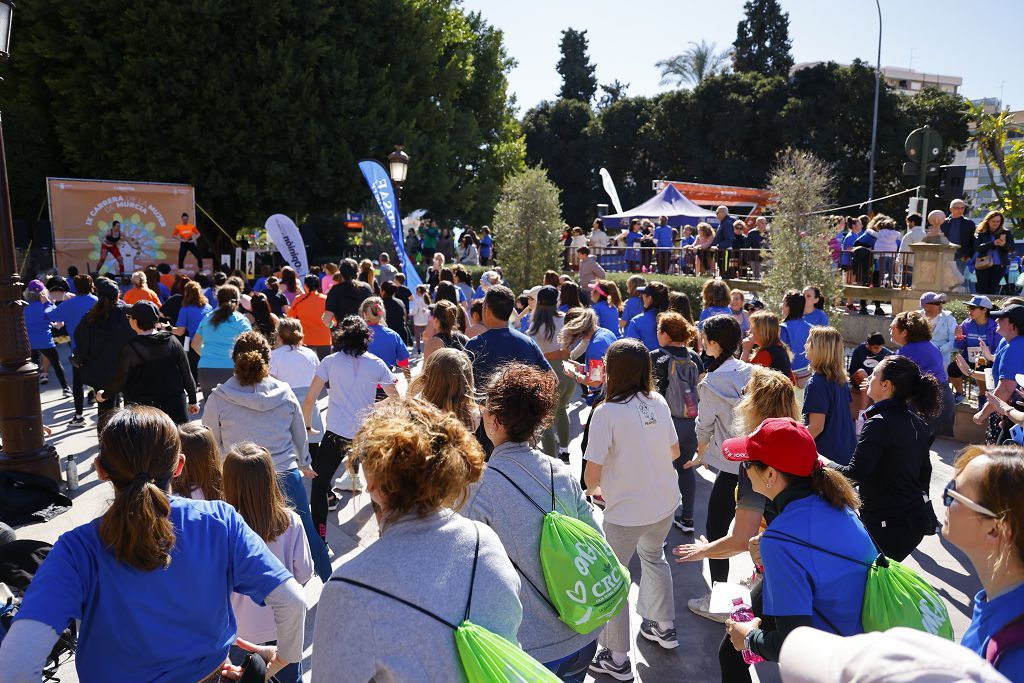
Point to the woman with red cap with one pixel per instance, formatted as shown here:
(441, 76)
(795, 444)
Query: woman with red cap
(815, 552)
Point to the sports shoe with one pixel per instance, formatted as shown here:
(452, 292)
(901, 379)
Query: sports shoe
(77, 420)
(43, 379)
(349, 482)
(702, 608)
(66, 392)
(563, 455)
(684, 525)
(332, 501)
(603, 664)
(664, 637)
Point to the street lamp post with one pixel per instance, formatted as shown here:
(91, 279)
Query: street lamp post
(21, 415)
(874, 119)
(398, 168)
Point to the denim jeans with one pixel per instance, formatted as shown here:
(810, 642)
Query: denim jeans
(290, 482)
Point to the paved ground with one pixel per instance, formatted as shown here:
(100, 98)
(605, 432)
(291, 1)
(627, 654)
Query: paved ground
(353, 525)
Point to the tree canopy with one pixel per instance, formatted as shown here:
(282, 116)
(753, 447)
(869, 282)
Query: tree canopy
(697, 63)
(263, 107)
(579, 81)
(762, 39)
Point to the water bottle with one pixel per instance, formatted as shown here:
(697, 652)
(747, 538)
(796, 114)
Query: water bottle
(71, 470)
(741, 612)
(689, 404)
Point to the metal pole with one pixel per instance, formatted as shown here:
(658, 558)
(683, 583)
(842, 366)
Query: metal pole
(21, 414)
(874, 122)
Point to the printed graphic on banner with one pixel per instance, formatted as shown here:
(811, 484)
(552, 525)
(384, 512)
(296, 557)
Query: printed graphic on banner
(285, 235)
(225, 260)
(380, 185)
(83, 213)
(238, 258)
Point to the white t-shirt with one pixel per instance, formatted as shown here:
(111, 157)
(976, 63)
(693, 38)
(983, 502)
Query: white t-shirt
(256, 623)
(632, 442)
(548, 345)
(294, 365)
(354, 383)
(420, 311)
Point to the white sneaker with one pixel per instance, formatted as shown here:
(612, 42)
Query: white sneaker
(347, 482)
(702, 608)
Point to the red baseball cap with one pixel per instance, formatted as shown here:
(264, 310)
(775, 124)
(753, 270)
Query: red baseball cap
(781, 442)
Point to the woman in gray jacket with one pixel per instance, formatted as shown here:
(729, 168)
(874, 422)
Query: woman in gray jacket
(520, 400)
(719, 391)
(253, 406)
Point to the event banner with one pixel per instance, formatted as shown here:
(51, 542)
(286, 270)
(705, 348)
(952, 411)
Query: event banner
(285, 235)
(380, 185)
(82, 211)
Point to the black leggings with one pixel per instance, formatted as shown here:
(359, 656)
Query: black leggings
(326, 458)
(54, 358)
(988, 279)
(183, 249)
(77, 390)
(721, 510)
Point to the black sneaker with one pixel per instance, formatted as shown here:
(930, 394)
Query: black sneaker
(77, 420)
(563, 455)
(684, 525)
(332, 501)
(66, 392)
(603, 664)
(664, 637)
(90, 398)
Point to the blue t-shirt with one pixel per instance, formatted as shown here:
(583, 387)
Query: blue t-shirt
(801, 581)
(663, 236)
(865, 239)
(710, 311)
(387, 345)
(631, 239)
(687, 241)
(524, 323)
(479, 293)
(990, 616)
(929, 359)
(598, 345)
(162, 292)
(848, 244)
(794, 335)
(72, 311)
(1009, 360)
(817, 318)
(502, 345)
(607, 317)
(836, 441)
(645, 328)
(172, 624)
(37, 323)
(189, 317)
(220, 340)
(485, 246)
(973, 333)
(633, 307)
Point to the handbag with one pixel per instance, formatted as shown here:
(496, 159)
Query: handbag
(983, 262)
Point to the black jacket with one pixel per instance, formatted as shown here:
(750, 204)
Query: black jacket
(966, 239)
(891, 462)
(344, 298)
(98, 345)
(152, 368)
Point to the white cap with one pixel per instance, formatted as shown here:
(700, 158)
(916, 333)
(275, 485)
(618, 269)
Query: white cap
(899, 655)
(532, 292)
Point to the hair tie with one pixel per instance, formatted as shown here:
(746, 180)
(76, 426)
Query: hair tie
(143, 477)
(819, 466)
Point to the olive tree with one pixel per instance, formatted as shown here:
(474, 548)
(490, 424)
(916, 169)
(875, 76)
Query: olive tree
(527, 227)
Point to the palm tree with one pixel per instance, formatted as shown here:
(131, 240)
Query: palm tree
(700, 61)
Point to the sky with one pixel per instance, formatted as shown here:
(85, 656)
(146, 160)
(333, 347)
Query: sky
(974, 40)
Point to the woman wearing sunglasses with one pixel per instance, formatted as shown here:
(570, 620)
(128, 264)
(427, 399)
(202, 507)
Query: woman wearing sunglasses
(985, 519)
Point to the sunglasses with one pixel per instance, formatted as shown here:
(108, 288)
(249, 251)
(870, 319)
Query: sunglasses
(949, 494)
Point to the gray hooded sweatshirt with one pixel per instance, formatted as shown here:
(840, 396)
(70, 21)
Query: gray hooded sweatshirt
(266, 413)
(518, 524)
(719, 393)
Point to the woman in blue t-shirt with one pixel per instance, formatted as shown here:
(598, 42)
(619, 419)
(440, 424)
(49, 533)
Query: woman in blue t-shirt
(814, 306)
(985, 519)
(607, 303)
(715, 299)
(827, 396)
(911, 331)
(151, 580)
(804, 583)
(194, 309)
(40, 333)
(793, 332)
(215, 338)
(645, 326)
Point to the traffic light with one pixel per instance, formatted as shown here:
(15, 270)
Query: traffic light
(923, 146)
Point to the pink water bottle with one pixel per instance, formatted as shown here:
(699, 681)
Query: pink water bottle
(741, 612)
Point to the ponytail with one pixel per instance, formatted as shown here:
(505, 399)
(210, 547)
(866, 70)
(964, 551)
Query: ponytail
(251, 355)
(835, 488)
(139, 449)
(724, 331)
(920, 390)
(227, 304)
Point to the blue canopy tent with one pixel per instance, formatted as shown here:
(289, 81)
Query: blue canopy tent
(669, 202)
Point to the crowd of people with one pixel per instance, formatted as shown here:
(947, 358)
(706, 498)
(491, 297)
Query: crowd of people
(449, 406)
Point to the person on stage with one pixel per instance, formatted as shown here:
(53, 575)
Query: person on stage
(108, 246)
(188, 233)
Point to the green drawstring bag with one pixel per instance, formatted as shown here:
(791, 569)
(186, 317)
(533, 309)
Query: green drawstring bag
(485, 656)
(586, 583)
(893, 595)
(897, 596)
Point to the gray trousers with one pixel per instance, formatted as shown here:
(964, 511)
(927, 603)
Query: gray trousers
(656, 600)
(558, 433)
